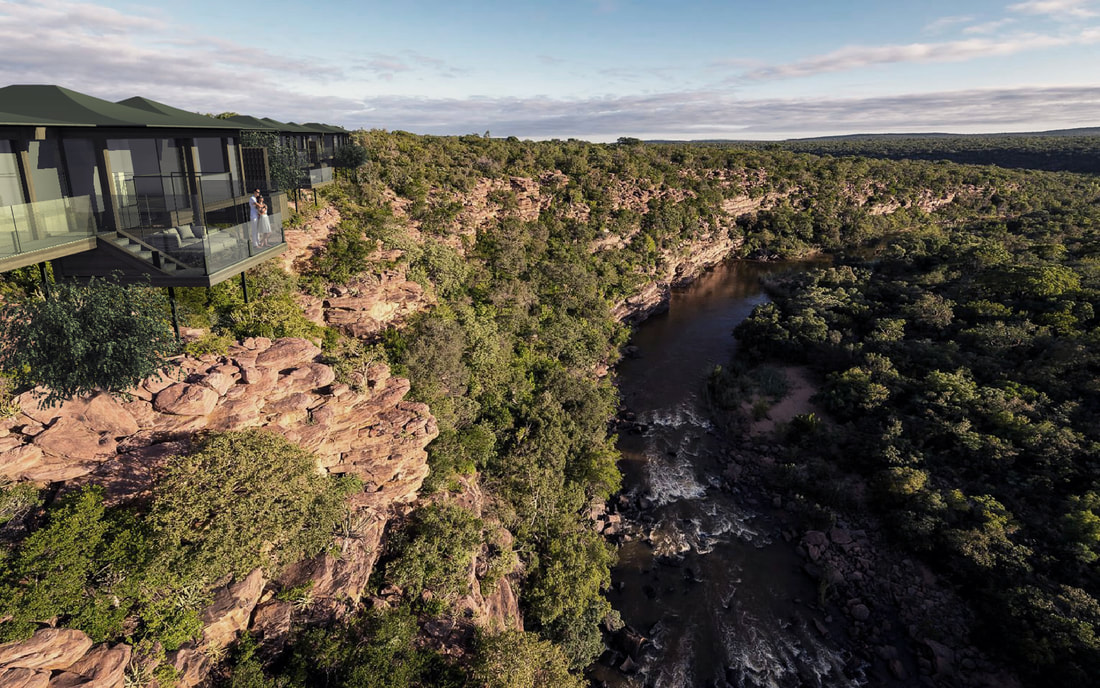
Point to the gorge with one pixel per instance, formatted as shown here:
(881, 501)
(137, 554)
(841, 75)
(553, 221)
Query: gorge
(448, 330)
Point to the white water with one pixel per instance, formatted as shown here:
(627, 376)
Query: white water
(713, 590)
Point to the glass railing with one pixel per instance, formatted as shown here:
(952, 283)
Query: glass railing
(151, 210)
(214, 247)
(42, 225)
(320, 175)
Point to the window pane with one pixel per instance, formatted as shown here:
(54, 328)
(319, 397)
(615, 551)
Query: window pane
(11, 189)
(83, 171)
(45, 165)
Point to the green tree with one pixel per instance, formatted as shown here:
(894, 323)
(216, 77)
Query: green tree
(376, 649)
(83, 339)
(435, 552)
(515, 659)
(351, 157)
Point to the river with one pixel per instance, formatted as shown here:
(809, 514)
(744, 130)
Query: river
(719, 595)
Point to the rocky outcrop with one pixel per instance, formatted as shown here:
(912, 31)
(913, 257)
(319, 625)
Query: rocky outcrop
(231, 611)
(24, 678)
(47, 649)
(303, 242)
(281, 386)
(680, 268)
(490, 602)
(62, 658)
(104, 666)
(370, 304)
(333, 583)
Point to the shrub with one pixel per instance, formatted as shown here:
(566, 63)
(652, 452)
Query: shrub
(344, 256)
(245, 499)
(435, 551)
(53, 572)
(103, 336)
(516, 659)
(375, 650)
(17, 500)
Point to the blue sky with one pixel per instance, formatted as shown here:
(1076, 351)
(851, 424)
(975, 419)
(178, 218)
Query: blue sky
(591, 69)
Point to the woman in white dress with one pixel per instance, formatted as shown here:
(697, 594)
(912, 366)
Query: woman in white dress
(263, 228)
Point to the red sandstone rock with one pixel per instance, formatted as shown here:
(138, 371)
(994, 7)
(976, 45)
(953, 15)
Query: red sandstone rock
(18, 462)
(104, 413)
(185, 399)
(291, 394)
(48, 648)
(271, 624)
(155, 384)
(287, 353)
(230, 611)
(131, 476)
(191, 665)
(219, 381)
(24, 678)
(102, 667)
(73, 439)
(372, 304)
(311, 376)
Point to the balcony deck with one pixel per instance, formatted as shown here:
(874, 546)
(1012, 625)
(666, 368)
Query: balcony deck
(46, 230)
(182, 255)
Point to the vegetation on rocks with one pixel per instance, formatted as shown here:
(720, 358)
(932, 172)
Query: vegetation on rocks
(144, 573)
(956, 365)
(507, 358)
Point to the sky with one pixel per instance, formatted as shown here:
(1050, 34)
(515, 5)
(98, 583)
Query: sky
(587, 69)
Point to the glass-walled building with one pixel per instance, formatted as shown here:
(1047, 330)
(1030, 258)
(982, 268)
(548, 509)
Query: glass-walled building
(314, 145)
(45, 212)
(138, 188)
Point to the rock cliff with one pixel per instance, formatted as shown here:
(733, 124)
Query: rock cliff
(123, 445)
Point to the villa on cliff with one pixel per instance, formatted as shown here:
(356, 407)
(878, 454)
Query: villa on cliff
(139, 189)
(315, 145)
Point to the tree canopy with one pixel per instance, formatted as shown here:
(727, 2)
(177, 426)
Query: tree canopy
(82, 339)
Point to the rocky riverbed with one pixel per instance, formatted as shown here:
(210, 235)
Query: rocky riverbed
(899, 623)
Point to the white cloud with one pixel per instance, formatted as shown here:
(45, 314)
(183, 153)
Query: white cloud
(711, 114)
(989, 26)
(945, 23)
(860, 56)
(105, 53)
(1077, 9)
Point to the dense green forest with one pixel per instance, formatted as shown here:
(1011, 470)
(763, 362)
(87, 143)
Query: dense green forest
(1070, 152)
(972, 330)
(959, 370)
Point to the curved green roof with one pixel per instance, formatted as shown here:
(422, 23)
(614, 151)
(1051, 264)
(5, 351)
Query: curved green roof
(323, 128)
(308, 128)
(184, 118)
(252, 123)
(58, 106)
(9, 119)
(288, 127)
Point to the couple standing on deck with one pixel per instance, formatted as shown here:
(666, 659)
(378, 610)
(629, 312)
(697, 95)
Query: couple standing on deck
(261, 224)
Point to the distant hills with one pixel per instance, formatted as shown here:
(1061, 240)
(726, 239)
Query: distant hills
(1079, 131)
(1067, 150)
